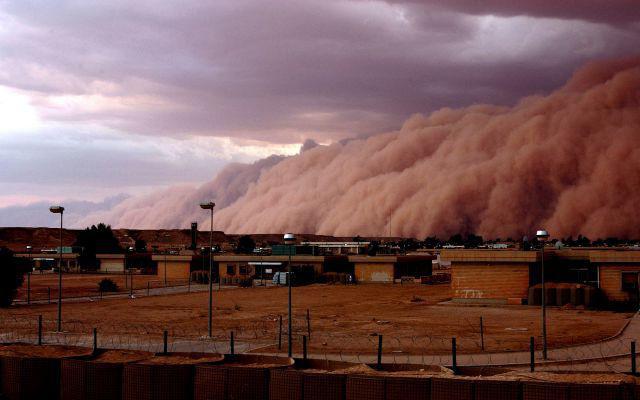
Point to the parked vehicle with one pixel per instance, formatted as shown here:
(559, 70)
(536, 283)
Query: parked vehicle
(281, 278)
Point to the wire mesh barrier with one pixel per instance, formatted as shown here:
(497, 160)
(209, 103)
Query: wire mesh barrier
(54, 372)
(269, 336)
(141, 286)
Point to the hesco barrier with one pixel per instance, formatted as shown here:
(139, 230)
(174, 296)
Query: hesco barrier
(261, 378)
(285, 384)
(450, 388)
(497, 390)
(365, 388)
(88, 379)
(24, 377)
(30, 378)
(544, 391)
(600, 391)
(298, 383)
(322, 386)
(237, 377)
(148, 381)
(400, 388)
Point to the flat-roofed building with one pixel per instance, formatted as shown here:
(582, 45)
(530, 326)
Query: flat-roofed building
(500, 275)
(111, 263)
(618, 273)
(45, 261)
(173, 267)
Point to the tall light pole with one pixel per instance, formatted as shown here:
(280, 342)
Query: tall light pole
(209, 206)
(289, 240)
(542, 236)
(59, 210)
(29, 275)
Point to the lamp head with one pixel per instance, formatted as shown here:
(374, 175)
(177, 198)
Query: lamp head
(289, 238)
(56, 209)
(542, 235)
(29, 248)
(207, 206)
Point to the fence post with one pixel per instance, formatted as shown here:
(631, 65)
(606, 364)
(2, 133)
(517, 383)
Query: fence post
(304, 348)
(308, 324)
(379, 351)
(633, 358)
(39, 330)
(280, 332)
(481, 334)
(231, 345)
(49, 292)
(95, 340)
(532, 353)
(454, 361)
(165, 337)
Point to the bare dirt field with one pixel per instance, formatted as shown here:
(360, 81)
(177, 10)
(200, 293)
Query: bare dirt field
(344, 319)
(77, 285)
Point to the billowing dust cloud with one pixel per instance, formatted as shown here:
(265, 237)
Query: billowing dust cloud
(568, 162)
(177, 207)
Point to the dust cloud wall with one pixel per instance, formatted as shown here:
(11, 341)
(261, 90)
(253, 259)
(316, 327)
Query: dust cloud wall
(568, 162)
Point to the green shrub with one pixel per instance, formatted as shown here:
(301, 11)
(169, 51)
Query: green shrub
(107, 285)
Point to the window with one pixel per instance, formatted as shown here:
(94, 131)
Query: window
(231, 269)
(243, 270)
(629, 281)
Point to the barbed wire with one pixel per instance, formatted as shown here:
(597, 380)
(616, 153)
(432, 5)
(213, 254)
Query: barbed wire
(263, 337)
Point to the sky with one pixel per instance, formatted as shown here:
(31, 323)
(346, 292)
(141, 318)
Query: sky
(116, 98)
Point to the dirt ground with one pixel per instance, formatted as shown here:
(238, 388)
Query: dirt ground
(77, 285)
(342, 318)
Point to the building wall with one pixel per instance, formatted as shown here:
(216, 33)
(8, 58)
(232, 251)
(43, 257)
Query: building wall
(489, 281)
(176, 269)
(240, 269)
(111, 265)
(611, 280)
(374, 272)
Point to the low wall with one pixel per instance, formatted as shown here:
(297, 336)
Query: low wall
(253, 377)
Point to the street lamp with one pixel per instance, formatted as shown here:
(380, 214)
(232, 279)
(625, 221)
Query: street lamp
(289, 239)
(543, 236)
(130, 250)
(209, 206)
(59, 210)
(29, 275)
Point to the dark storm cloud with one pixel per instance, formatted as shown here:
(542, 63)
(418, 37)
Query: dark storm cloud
(288, 70)
(605, 11)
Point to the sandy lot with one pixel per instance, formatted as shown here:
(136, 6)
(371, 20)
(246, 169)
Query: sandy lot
(343, 318)
(76, 285)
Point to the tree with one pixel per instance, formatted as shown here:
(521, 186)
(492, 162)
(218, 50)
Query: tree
(95, 240)
(245, 245)
(408, 244)
(456, 240)
(11, 276)
(473, 241)
(140, 246)
(432, 242)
